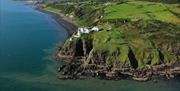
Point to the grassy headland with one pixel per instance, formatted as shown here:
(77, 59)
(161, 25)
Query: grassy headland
(134, 33)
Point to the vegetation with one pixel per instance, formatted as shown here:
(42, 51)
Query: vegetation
(150, 31)
(143, 10)
(82, 14)
(146, 42)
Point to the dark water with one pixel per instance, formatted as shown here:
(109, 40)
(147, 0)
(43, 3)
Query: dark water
(28, 40)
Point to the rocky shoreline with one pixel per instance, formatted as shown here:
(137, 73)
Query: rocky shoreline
(76, 69)
(82, 61)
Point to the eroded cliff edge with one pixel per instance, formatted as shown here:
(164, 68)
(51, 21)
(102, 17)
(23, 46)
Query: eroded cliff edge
(140, 50)
(138, 40)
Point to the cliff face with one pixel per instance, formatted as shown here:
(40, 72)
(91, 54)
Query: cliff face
(130, 47)
(135, 56)
(136, 47)
(141, 44)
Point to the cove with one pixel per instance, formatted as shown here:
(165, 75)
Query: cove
(28, 41)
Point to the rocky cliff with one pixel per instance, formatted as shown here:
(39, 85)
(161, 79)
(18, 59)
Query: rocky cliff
(139, 50)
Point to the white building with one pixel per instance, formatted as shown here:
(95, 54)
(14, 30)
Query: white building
(85, 30)
(79, 33)
(96, 29)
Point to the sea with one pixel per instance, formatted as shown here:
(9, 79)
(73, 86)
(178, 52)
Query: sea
(29, 40)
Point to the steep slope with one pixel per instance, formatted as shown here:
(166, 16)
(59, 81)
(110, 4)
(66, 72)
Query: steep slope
(138, 40)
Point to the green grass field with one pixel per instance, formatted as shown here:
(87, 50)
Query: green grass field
(145, 10)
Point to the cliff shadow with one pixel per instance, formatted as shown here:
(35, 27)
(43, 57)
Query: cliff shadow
(132, 58)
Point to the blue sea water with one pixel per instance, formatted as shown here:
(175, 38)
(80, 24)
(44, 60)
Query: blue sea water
(28, 41)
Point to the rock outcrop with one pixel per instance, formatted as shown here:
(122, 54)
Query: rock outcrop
(145, 56)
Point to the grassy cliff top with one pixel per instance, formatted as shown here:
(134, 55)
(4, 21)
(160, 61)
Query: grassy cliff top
(144, 10)
(150, 37)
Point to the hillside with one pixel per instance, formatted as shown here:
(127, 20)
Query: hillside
(134, 35)
(144, 10)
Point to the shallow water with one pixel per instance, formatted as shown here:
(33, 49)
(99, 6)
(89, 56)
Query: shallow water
(28, 40)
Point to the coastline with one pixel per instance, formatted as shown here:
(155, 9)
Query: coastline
(75, 69)
(36, 69)
(164, 71)
(139, 75)
(69, 25)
